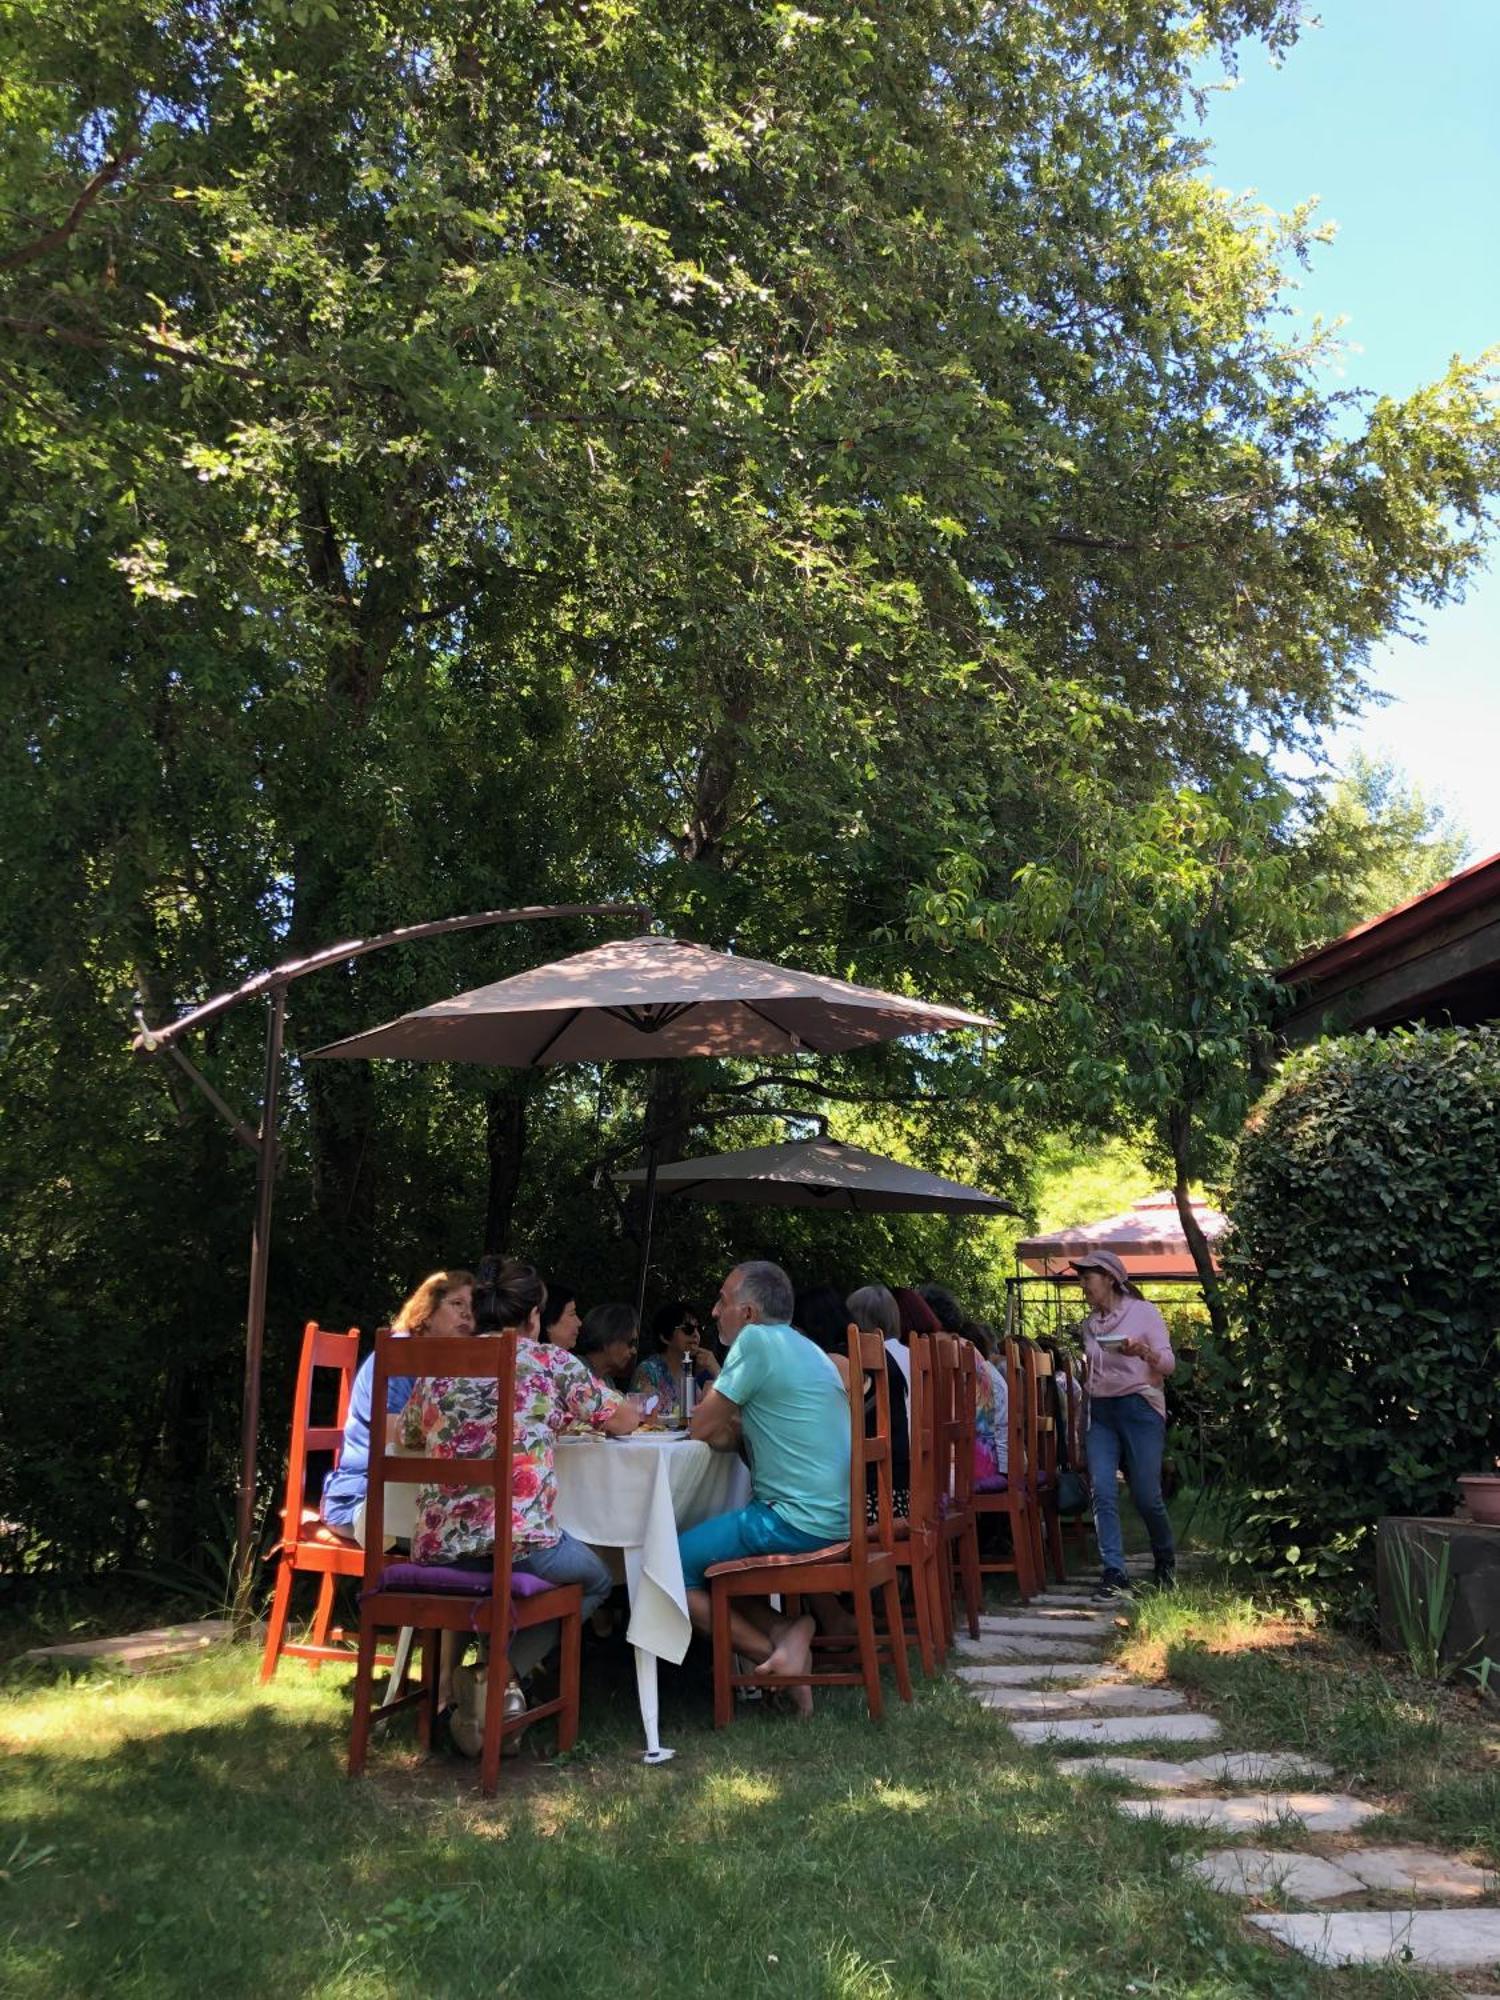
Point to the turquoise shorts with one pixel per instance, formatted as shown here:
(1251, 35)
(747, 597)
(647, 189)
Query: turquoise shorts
(756, 1530)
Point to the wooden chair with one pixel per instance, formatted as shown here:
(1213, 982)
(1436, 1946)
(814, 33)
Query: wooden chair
(1041, 1416)
(956, 1362)
(860, 1567)
(1013, 1500)
(308, 1546)
(436, 1598)
(917, 1549)
(1072, 1420)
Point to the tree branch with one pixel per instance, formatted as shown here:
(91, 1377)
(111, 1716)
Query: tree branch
(161, 350)
(92, 189)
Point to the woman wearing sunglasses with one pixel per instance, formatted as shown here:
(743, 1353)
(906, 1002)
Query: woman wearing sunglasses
(676, 1337)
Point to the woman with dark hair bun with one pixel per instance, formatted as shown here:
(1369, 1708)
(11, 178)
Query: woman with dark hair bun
(821, 1315)
(455, 1417)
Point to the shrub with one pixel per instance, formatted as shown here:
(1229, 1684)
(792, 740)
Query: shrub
(1362, 1270)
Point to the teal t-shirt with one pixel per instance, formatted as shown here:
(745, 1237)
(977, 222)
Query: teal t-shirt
(795, 1416)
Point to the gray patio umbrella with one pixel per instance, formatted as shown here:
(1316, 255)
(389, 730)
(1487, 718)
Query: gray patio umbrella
(818, 1173)
(651, 998)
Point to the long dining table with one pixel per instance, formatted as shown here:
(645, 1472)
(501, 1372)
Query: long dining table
(632, 1495)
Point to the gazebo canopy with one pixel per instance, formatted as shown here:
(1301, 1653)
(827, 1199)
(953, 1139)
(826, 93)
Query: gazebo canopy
(1147, 1238)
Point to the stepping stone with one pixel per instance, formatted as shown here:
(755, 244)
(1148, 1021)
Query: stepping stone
(1025, 1646)
(1070, 1600)
(1417, 1871)
(136, 1650)
(1038, 1625)
(1431, 1940)
(1120, 1729)
(1155, 1773)
(1319, 1812)
(1268, 1871)
(1059, 1674)
(1254, 1767)
(1083, 1701)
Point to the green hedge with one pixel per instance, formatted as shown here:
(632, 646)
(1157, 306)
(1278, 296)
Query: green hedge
(1363, 1271)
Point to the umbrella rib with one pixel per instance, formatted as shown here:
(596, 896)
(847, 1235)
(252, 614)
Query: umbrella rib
(797, 1041)
(557, 1033)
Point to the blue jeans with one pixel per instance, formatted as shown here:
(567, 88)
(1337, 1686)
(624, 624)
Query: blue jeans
(1128, 1427)
(567, 1561)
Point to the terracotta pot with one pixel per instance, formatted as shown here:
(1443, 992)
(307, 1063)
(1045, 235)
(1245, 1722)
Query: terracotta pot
(1481, 1491)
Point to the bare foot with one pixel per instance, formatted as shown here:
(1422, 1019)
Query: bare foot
(792, 1655)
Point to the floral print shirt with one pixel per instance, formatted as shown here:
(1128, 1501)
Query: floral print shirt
(454, 1417)
(657, 1377)
(991, 1421)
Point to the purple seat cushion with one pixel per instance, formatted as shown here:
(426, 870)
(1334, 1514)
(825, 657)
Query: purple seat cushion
(998, 1484)
(451, 1581)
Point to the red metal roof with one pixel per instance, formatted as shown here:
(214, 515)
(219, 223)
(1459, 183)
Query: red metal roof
(1434, 906)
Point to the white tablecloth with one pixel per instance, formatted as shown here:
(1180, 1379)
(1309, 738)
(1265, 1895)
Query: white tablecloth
(634, 1494)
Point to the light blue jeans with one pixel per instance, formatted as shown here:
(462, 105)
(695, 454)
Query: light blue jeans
(1128, 1427)
(567, 1561)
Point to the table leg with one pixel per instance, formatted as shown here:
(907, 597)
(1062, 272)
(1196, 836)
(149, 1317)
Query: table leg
(398, 1666)
(645, 1676)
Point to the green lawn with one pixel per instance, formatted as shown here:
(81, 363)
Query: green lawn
(188, 1833)
(1277, 1682)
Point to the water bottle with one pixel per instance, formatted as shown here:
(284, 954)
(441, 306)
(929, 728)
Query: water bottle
(689, 1389)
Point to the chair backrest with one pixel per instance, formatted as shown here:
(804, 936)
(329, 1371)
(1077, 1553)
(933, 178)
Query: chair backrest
(870, 1417)
(954, 1404)
(1041, 1416)
(321, 1350)
(1018, 1439)
(921, 1419)
(1070, 1412)
(490, 1359)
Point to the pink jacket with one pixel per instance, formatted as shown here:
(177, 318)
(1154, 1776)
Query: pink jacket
(1112, 1373)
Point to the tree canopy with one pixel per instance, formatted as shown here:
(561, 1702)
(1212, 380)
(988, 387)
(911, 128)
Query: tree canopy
(804, 468)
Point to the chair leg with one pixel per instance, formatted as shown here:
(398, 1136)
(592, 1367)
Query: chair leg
(570, 1677)
(1055, 1545)
(968, 1553)
(281, 1604)
(723, 1658)
(921, 1606)
(323, 1616)
(432, 1657)
(869, 1652)
(364, 1695)
(892, 1595)
(494, 1725)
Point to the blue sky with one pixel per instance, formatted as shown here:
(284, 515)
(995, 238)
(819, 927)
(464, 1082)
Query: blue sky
(1386, 110)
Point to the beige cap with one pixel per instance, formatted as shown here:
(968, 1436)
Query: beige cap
(1102, 1260)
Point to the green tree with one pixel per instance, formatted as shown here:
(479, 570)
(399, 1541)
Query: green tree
(470, 453)
(1379, 841)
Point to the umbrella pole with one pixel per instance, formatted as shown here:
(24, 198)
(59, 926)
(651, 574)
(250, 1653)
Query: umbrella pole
(255, 1307)
(645, 1263)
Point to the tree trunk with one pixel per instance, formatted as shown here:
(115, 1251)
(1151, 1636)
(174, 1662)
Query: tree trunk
(1203, 1261)
(505, 1149)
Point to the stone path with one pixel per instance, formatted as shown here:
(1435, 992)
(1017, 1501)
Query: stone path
(138, 1650)
(1046, 1669)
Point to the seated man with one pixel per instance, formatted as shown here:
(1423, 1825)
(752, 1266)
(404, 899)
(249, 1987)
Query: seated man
(788, 1402)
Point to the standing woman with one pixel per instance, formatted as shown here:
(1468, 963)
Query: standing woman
(1129, 1355)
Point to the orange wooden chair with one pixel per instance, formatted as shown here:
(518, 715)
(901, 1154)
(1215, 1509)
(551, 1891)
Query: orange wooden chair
(861, 1567)
(1012, 1501)
(308, 1546)
(436, 1598)
(1072, 1422)
(916, 1549)
(958, 1528)
(1041, 1417)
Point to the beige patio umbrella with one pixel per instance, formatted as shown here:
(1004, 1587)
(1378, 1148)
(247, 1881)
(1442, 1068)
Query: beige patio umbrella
(651, 998)
(818, 1173)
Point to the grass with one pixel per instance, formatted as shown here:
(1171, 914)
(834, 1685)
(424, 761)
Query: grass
(1279, 1682)
(190, 1831)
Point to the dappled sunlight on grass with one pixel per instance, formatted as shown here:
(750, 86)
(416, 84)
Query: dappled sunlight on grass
(1207, 1619)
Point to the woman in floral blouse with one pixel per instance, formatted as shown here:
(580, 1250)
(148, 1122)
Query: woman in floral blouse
(453, 1417)
(676, 1334)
